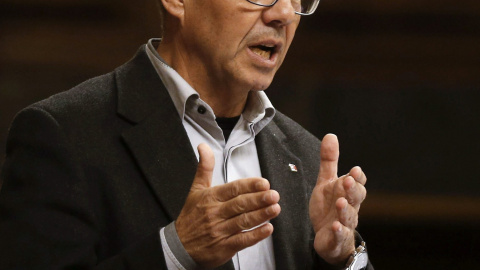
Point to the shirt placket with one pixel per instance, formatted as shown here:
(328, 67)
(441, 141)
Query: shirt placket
(228, 151)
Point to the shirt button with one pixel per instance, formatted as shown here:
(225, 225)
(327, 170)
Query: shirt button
(201, 109)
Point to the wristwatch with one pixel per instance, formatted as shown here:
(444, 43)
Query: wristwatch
(359, 258)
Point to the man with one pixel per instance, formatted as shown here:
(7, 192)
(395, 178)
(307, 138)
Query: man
(105, 175)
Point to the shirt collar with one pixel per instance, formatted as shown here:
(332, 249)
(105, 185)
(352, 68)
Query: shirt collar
(178, 89)
(258, 110)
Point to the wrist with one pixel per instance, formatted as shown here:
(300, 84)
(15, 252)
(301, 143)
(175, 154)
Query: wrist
(178, 250)
(358, 260)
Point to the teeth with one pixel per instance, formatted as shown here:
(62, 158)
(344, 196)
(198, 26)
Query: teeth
(264, 54)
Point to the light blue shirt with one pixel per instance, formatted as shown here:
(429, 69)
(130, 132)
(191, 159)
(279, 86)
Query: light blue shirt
(234, 159)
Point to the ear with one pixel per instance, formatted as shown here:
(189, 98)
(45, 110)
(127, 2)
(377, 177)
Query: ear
(175, 8)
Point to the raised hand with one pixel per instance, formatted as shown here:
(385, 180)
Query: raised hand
(334, 205)
(212, 223)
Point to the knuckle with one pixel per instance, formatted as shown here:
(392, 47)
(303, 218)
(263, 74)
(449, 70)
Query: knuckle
(207, 197)
(345, 219)
(350, 219)
(210, 215)
(351, 200)
(254, 185)
(199, 208)
(212, 196)
(239, 206)
(234, 190)
(243, 221)
(214, 234)
(364, 193)
(240, 240)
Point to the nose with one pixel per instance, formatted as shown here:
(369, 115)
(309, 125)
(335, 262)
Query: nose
(281, 14)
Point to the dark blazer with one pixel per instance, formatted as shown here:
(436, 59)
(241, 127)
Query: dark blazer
(93, 173)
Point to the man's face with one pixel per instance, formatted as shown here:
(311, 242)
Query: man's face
(236, 43)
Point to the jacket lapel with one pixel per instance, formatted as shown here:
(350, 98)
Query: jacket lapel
(158, 141)
(292, 228)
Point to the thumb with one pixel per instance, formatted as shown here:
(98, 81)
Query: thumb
(329, 154)
(206, 163)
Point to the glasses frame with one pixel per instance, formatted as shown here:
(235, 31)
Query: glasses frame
(315, 5)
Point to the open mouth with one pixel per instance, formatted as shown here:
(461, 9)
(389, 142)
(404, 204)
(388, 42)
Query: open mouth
(264, 51)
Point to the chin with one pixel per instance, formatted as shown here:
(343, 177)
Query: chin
(260, 87)
(260, 83)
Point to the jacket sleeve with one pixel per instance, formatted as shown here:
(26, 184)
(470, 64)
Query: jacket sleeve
(47, 217)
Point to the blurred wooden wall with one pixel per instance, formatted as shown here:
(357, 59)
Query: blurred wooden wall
(398, 81)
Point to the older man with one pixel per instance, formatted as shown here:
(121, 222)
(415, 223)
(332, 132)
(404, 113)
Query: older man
(178, 160)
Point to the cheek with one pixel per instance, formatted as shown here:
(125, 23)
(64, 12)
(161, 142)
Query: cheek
(231, 30)
(289, 38)
(291, 31)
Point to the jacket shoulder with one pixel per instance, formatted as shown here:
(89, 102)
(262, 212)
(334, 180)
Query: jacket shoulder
(89, 96)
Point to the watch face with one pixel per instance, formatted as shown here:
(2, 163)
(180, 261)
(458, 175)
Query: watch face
(360, 262)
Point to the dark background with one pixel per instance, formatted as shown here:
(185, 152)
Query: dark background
(398, 82)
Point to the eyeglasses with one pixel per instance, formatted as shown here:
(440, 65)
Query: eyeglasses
(301, 7)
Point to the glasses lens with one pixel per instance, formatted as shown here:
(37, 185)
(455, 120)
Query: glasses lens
(262, 2)
(305, 7)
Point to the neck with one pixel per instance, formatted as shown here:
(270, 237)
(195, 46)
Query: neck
(225, 100)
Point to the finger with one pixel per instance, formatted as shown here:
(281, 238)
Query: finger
(329, 154)
(242, 186)
(347, 214)
(355, 192)
(247, 221)
(342, 237)
(243, 240)
(358, 174)
(203, 176)
(249, 202)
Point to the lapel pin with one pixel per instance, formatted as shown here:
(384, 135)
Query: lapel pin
(293, 168)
